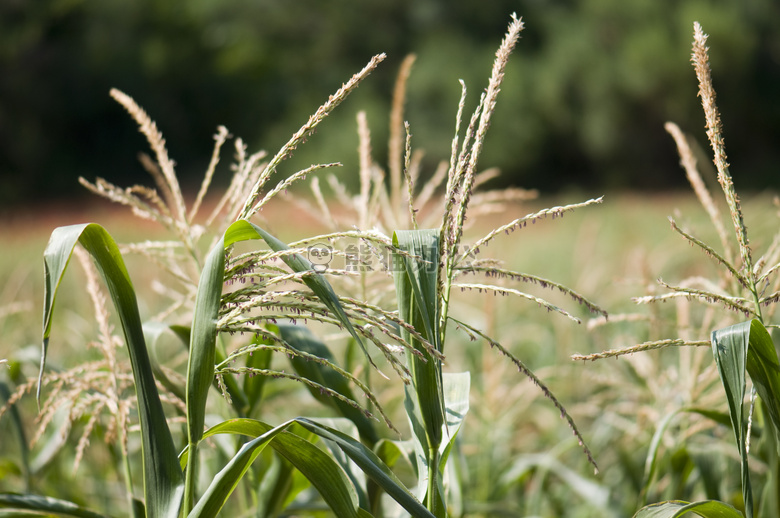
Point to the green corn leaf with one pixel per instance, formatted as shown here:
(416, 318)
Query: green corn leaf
(242, 230)
(677, 508)
(371, 465)
(200, 368)
(253, 385)
(302, 339)
(416, 287)
(730, 349)
(764, 370)
(35, 504)
(355, 474)
(418, 303)
(162, 475)
(316, 465)
(18, 428)
(227, 479)
(748, 347)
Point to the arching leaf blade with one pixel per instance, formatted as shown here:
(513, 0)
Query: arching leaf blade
(163, 481)
(316, 465)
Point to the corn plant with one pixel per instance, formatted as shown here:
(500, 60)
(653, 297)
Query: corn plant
(428, 265)
(170, 485)
(256, 295)
(745, 287)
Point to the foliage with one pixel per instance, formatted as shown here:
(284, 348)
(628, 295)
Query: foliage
(222, 291)
(739, 349)
(594, 84)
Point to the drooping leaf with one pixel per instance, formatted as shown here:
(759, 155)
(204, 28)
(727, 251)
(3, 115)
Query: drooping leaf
(371, 465)
(677, 508)
(316, 465)
(242, 230)
(163, 483)
(223, 484)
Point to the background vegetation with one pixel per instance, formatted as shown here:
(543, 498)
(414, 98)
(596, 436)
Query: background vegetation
(584, 102)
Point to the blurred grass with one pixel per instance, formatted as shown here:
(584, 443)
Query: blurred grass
(605, 252)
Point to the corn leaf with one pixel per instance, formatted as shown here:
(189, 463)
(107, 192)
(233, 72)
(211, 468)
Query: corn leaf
(748, 347)
(764, 370)
(200, 368)
(316, 465)
(418, 303)
(227, 479)
(302, 339)
(242, 230)
(416, 288)
(371, 465)
(730, 349)
(162, 475)
(677, 508)
(43, 505)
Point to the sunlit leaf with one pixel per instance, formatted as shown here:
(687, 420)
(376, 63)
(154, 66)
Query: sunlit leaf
(162, 475)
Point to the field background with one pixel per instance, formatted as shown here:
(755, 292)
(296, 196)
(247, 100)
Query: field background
(581, 115)
(521, 457)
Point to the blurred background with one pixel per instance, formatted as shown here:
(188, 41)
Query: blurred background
(583, 105)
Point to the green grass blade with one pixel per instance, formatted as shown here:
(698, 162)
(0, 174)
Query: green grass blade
(676, 508)
(162, 476)
(730, 349)
(34, 504)
(303, 340)
(316, 465)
